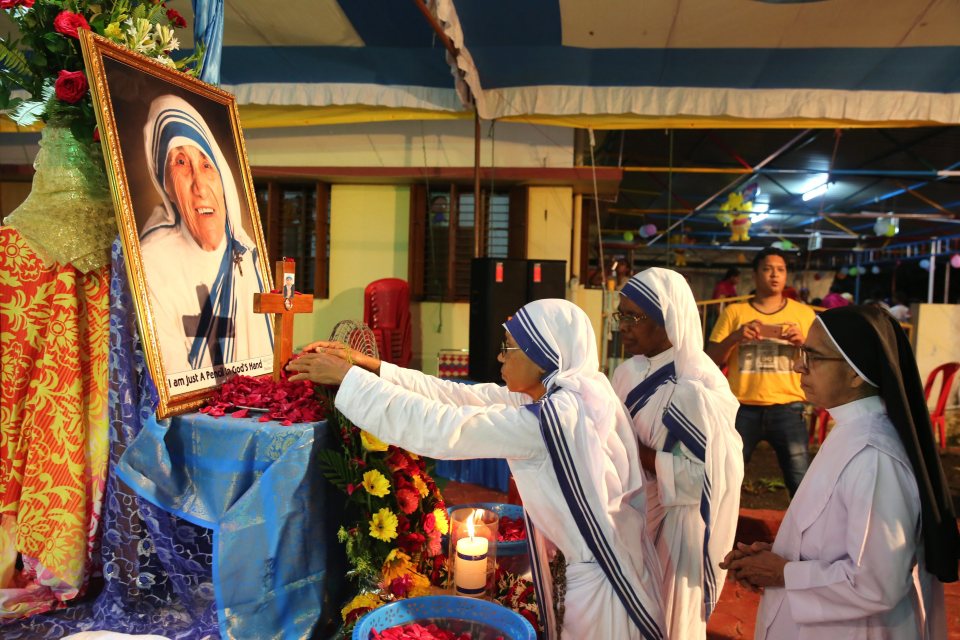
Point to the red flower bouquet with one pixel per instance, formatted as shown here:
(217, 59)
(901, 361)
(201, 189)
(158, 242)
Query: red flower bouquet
(44, 61)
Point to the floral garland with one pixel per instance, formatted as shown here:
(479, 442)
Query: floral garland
(46, 63)
(394, 521)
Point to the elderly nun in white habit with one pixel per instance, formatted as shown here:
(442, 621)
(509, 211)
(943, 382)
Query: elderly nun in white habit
(201, 268)
(569, 445)
(870, 535)
(684, 414)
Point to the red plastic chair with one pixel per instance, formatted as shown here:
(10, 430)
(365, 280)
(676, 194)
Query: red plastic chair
(937, 417)
(386, 310)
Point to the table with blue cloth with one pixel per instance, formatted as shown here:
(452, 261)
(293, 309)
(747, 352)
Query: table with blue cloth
(257, 486)
(493, 473)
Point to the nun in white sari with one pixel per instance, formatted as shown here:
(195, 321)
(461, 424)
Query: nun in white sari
(201, 268)
(684, 415)
(870, 534)
(570, 447)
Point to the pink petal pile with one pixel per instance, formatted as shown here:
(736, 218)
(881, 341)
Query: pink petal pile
(511, 529)
(284, 401)
(416, 631)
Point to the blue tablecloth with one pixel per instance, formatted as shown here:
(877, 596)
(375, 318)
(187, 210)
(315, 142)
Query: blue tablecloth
(493, 473)
(256, 486)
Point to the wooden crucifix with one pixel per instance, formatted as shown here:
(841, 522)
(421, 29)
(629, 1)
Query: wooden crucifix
(283, 305)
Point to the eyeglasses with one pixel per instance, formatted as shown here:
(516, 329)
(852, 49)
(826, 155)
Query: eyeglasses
(804, 356)
(504, 348)
(628, 318)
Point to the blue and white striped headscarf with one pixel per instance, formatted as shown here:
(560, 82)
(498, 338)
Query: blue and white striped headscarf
(173, 122)
(592, 448)
(701, 414)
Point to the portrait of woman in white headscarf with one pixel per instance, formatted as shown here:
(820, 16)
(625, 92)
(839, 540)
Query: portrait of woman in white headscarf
(569, 444)
(201, 267)
(870, 536)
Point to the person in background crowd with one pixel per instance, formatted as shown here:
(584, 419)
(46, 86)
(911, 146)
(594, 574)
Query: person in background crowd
(756, 340)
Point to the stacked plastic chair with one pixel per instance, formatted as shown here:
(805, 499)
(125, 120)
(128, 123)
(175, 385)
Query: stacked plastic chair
(386, 310)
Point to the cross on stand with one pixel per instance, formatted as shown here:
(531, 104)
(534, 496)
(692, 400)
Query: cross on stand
(284, 305)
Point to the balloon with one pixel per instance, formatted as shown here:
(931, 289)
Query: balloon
(874, 269)
(891, 231)
(628, 236)
(844, 271)
(924, 264)
(955, 261)
(841, 274)
(880, 226)
(817, 276)
(650, 229)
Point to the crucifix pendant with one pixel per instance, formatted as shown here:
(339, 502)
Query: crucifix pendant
(237, 260)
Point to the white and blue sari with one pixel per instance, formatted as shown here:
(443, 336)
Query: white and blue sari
(201, 300)
(589, 442)
(573, 457)
(682, 407)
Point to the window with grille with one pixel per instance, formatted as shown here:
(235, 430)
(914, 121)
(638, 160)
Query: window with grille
(296, 220)
(442, 236)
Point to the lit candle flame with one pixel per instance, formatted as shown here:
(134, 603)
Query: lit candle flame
(470, 529)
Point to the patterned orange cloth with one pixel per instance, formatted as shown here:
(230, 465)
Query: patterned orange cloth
(54, 345)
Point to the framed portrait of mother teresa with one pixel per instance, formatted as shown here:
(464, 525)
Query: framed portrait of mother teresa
(194, 250)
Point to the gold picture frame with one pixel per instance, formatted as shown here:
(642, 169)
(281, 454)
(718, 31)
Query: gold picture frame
(187, 213)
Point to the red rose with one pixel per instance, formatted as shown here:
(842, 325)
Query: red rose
(67, 23)
(400, 587)
(174, 16)
(411, 542)
(429, 522)
(71, 86)
(13, 4)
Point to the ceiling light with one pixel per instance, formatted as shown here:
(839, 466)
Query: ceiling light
(757, 217)
(816, 192)
(760, 207)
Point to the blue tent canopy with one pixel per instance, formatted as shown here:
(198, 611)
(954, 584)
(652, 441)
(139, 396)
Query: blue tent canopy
(605, 63)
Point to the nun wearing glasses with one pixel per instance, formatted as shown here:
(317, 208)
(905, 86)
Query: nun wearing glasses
(570, 447)
(684, 415)
(870, 535)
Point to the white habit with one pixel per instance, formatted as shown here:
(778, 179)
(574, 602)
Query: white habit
(852, 540)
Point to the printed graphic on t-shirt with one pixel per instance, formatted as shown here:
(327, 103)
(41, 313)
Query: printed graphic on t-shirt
(766, 356)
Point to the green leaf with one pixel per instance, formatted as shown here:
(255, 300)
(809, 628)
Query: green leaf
(13, 59)
(337, 468)
(28, 112)
(81, 130)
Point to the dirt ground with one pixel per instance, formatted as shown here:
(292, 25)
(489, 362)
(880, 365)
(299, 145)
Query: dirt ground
(763, 486)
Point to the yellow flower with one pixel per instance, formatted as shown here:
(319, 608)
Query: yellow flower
(420, 486)
(443, 526)
(113, 31)
(420, 586)
(362, 601)
(371, 442)
(396, 564)
(376, 484)
(383, 525)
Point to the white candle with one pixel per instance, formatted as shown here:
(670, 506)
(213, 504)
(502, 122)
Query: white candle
(470, 566)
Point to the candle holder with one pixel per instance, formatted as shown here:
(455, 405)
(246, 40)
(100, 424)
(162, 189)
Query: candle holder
(473, 551)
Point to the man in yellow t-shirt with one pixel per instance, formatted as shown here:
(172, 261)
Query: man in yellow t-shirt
(757, 340)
